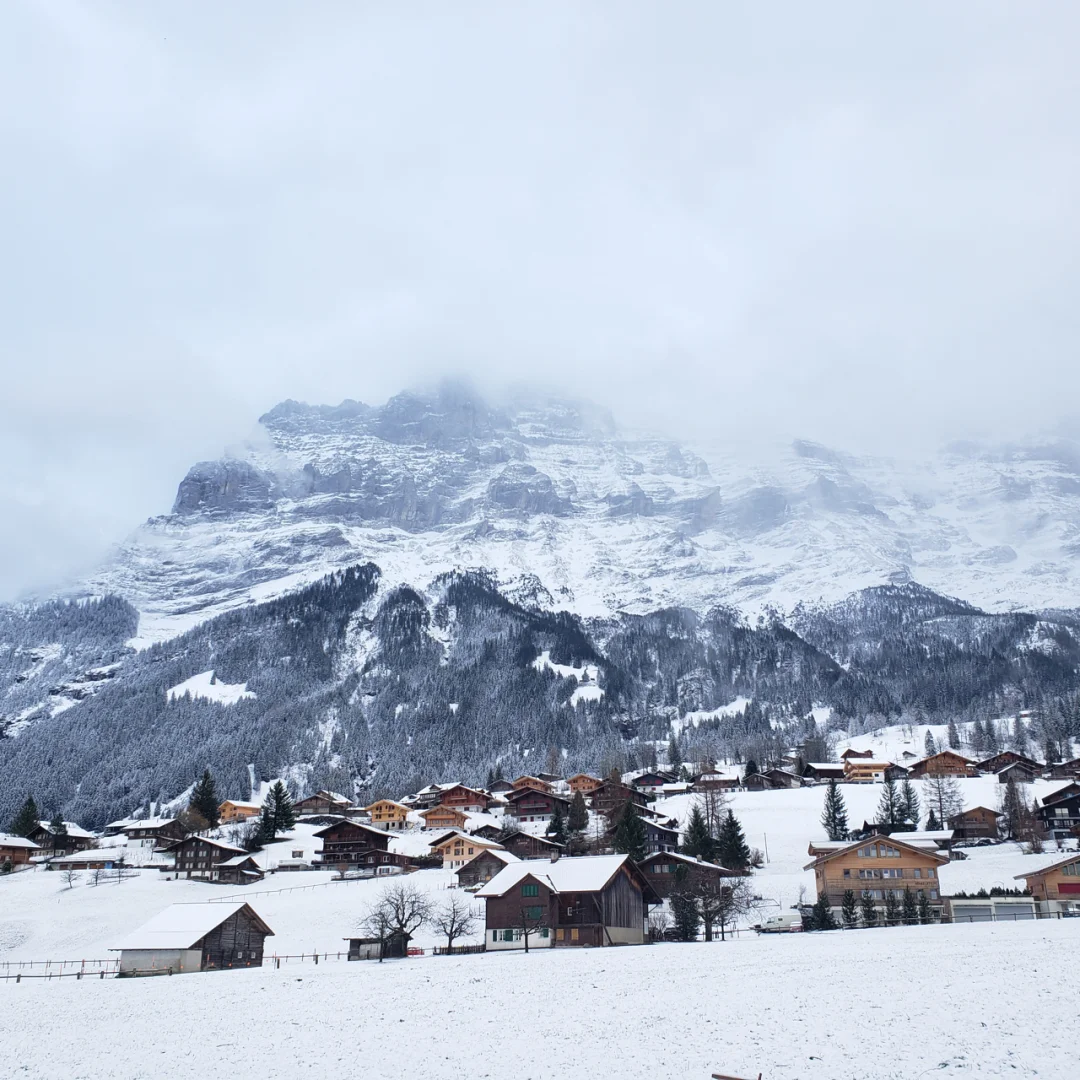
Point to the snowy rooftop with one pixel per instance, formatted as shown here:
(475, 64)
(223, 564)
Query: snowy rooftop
(8, 840)
(112, 854)
(150, 822)
(588, 873)
(180, 926)
(72, 829)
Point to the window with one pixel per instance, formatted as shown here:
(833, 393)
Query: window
(933, 894)
(868, 852)
(574, 933)
(543, 931)
(866, 874)
(494, 935)
(930, 872)
(508, 935)
(847, 873)
(530, 890)
(533, 912)
(916, 873)
(892, 873)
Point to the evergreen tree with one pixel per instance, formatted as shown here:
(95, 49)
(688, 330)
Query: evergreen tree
(57, 825)
(281, 807)
(204, 799)
(869, 912)
(674, 754)
(929, 745)
(751, 768)
(910, 908)
(890, 812)
(892, 909)
(953, 735)
(932, 822)
(578, 819)
(557, 828)
(849, 910)
(925, 914)
(697, 840)
(265, 832)
(630, 836)
(27, 819)
(909, 801)
(822, 918)
(834, 816)
(1019, 736)
(731, 847)
(1014, 811)
(684, 913)
(993, 740)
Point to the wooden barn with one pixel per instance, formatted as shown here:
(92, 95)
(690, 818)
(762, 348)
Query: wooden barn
(195, 937)
(483, 867)
(594, 900)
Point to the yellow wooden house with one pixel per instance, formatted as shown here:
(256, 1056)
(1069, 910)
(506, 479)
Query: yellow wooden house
(389, 815)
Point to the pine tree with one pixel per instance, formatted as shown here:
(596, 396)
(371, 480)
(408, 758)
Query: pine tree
(925, 914)
(674, 754)
(204, 799)
(890, 812)
(697, 841)
(849, 910)
(1013, 810)
(1019, 736)
(869, 912)
(909, 801)
(929, 745)
(265, 833)
(281, 807)
(953, 736)
(822, 918)
(910, 908)
(932, 822)
(27, 819)
(684, 912)
(892, 909)
(57, 826)
(578, 819)
(557, 828)
(630, 836)
(731, 847)
(834, 816)
(751, 768)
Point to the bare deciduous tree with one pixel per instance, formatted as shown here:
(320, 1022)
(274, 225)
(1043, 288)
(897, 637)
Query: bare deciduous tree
(401, 910)
(454, 919)
(71, 875)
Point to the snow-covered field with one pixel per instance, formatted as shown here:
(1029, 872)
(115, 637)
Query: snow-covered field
(952, 1001)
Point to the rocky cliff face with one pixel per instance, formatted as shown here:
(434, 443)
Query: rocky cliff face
(553, 498)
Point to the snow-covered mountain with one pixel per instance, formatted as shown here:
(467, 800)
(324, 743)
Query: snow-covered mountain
(569, 511)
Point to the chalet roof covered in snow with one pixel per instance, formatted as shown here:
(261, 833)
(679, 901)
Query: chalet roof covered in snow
(183, 926)
(71, 828)
(589, 873)
(8, 840)
(146, 823)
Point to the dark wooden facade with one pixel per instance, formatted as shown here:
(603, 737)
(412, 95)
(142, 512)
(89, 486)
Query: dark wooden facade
(978, 823)
(237, 942)
(530, 804)
(1007, 757)
(352, 844)
(323, 802)
(660, 837)
(1065, 770)
(162, 834)
(526, 846)
(1060, 812)
(199, 856)
(241, 870)
(611, 796)
(53, 842)
(480, 869)
(665, 869)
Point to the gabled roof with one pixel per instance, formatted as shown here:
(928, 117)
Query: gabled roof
(206, 840)
(468, 838)
(241, 803)
(328, 796)
(236, 860)
(387, 802)
(182, 926)
(1017, 759)
(688, 860)
(1074, 857)
(588, 873)
(971, 810)
(531, 836)
(355, 824)
(947, 752)
(502, 855)
(521, 793)
(71, 828)
(1067, 792)
(8, 840)
(151, 823)
(432, 810)
(827, 850)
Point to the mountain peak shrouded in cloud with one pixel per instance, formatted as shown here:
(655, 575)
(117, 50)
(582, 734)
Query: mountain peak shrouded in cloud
(745, 224)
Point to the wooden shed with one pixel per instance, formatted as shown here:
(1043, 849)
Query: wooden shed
(195, 937)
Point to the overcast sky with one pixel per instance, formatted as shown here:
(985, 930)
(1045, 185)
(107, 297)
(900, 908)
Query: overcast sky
(853, 221)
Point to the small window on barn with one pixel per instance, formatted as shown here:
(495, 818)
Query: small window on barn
(530, 890)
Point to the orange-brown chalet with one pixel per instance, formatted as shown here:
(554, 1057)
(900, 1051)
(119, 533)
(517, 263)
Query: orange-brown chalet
(878, 866)
(945, 763)
(1056, 887)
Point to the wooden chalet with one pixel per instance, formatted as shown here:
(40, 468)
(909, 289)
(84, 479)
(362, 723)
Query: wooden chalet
(532, 804)
(716, 779)
(596, 900)
(822, 771)
(943, 763)
(876, 866)
(1060, 812)
(16, 850)
(1006, 758)
(483, 867)
(389, 815)
(233, 810)
(861, 770)
(978, 823)
(1019, 772)
(195, 937)
(239, 870)
(500, 787)
(65, 839)
(90, 859)
(652, 781)
(198, 857)
(323, 803)
(611, 796)
(1056, 888)
(471, 800)
(457, 848)
(533, 782)
(660, 836)
(487, 832)
(1065, 770)
(663, 870)
(527, 846)
(444, 817)
(850, 753)
(352, 844)
(154, 832)
(584, 783)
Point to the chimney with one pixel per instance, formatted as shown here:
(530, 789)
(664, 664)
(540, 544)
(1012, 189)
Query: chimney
(555, 854)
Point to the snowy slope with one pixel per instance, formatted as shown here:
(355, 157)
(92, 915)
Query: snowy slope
(571, 512)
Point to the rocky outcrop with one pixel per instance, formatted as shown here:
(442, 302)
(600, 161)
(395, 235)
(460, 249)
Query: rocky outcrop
(224, 486)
